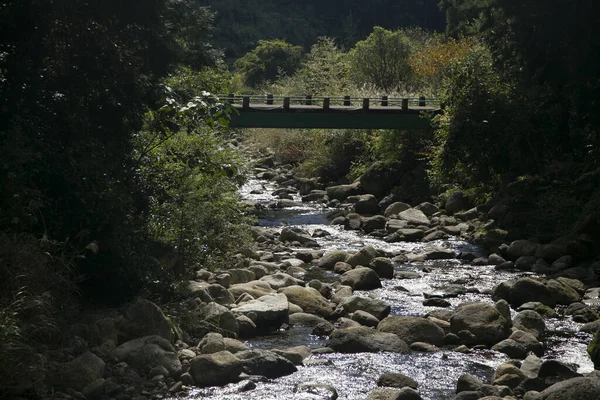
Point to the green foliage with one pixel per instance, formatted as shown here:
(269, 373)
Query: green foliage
(382, 59)
(270, 59)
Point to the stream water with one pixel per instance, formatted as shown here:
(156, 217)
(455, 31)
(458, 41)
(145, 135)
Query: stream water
(355, 375)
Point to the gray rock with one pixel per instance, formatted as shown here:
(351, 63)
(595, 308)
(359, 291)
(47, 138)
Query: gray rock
(364, 318)
(531, 322)
(361, 279)
(367, 204)
(456, 202)
(531, 366)
(395, 209)
(215, 369)
(393, 379)
(484, 321)
(374, 223)
(78, 373)
(378, 308)
(468, 383)
(240, 275)
(255, 289)
(520, 248)
(427, 208)
(383, 267)
(525, 290)
(561, 293)
(211, 343)
(281, 280)
(341, 192)
(362, 257)
(414, 216)
(573, 389)
(217, 293)
(413, 329)
(265, 363)
(220, 319)
(297, 235)
(144, 318)
(330, 258)
(362, 339)
(304, 319)
(342, 267)
(148, 352)
(519, 345)
(309, 299)
(323, 391)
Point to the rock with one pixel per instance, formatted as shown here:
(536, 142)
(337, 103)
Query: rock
(395, 209)
(427, 208)
(468, 383)
(406, 275)
(144, 318)
(281, 280)
(519, 345)
(234, 346)
(383, 267)
(362, 257)
(439, 254)
(323, 391)
(483, 320)
(362, 339)
(341, 192)
(215, 369)
(371, 224)
(525, 290)
(550, 252)
(247, 327)
(255, 289)
(297, 235)
(413, 329)
(424, 347)
(323, 329)
(309, 299)
(520, 248)
(394, 225)
(396, 380)
(211, 343)
(267, 312)
(561, 293)
(265, 363)
(240, 275)
(367, 204)
(148, 352)
(408, 235)
(364, 318)
(219, 318)
(573, 389)
(378, 308)
(414, 216)
(591, 327)
(530, 322)
(556, 368)
(531, 366)
(539, 308)
(78, 373)
(352, 222)
(525, 263)
(436, 302)
(495, 259)
(304, 319)
(342, 267)
(330, 258)
(294, 354)
(361, 279)
(456, 202)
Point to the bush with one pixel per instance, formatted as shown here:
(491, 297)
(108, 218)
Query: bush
(270, 59)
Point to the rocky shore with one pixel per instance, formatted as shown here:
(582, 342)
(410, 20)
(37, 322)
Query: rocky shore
(144, 352)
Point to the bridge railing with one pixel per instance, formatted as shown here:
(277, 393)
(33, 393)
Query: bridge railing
(286, 102)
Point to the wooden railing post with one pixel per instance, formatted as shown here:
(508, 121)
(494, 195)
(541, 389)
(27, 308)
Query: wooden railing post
(404, 104)
(308, 100)
(286, 103)
(246, 102)
(326, 103)
(230, 98)
(347, 101)
(365, 105)
(384, 101)
(270, 99)
(422, 101)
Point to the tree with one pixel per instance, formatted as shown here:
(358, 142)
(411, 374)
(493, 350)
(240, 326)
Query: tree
(270, 59)
(382, 59)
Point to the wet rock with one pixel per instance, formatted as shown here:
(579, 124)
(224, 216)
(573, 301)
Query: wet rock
(375, 307)
(531, 366)
(323, 391)
(342, 267)
(383, 267)
(483, 320)
(247, 327)
(519, 345)
(396, 380)
(413, 329)
(414, 216)
(436, 302)
(144, 318)
(304, 319)
(309, 299)
(297, 235)
(78, 373)
(394, 394)
(361, 278)
(439, 254)
(539, 308)
(341, 192)
(255, 289)
(406, 275)
(330, 258)
(556, 368)
(525, 290)
(407, 235)
(424, 347)
(362, 339)
(265, 363)
(591, 327)
(468, 383)
(362, 257)
(215, 369)
(323, 329)
(561, 293)
(531, 322)
(573, 389)
(366, 204)
(495, 259)
(148, 352)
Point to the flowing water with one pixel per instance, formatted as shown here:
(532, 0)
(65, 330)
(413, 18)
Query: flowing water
(355, 375)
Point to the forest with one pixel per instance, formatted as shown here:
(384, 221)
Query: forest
(120, 175)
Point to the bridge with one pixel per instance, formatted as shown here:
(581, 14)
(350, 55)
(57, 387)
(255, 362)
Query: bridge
(345, 112)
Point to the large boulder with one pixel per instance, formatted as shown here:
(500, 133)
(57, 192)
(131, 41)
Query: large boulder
(393, 379)
(217, 293)
(281, 280)
(219, 318)
(562, 293)
(265, 363)
(573, 389)
(378, 308)
(215, 369)
(374, 223)
(78, 373)
(383, 267)
(297, 235)
(484, 321)
(519, 345)
(309, 299)
(521, 248)
(414, 216)
(377, 179)
(267, 312)
(362, 339)
(531, 322)
(594, 350)
(396, 208)
(341, 192)
(255, 289)
(456, 202)
(361, 278)
(362, 257)
(526, 290)
(413, 329)
(144, 318)
(149, 352)
(367, 204)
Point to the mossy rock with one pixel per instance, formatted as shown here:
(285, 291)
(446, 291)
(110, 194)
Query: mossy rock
(594, 350)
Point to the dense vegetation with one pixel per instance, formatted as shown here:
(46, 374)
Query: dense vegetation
(119, 174)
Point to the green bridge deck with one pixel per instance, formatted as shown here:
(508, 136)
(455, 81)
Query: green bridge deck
(331, 112)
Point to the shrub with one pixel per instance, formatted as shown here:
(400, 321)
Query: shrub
(270, 59)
